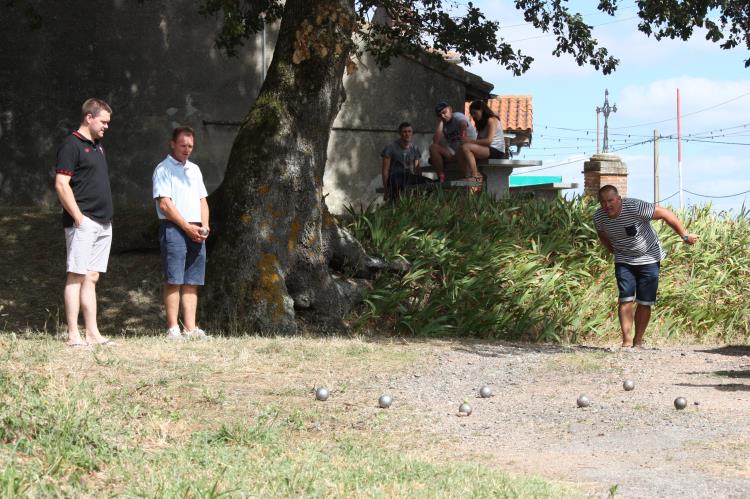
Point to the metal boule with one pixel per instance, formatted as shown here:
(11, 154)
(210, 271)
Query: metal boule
(583, 401)
(385, 401)
(464, 409)
(485, 391)
(680, 403)
(628, 385)
(322, 394)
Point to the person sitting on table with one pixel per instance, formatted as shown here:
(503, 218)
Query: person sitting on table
(452, 130)
(489, 144)
(400, 158)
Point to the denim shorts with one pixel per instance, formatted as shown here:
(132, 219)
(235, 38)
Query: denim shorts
(637, 282)
(184, 260)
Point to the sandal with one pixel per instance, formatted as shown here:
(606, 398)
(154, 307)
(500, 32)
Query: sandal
(478, 188)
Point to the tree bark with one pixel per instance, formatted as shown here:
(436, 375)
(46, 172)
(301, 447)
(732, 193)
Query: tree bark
(271, 249)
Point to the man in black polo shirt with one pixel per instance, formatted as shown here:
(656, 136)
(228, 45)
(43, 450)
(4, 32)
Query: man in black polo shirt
(82, 185)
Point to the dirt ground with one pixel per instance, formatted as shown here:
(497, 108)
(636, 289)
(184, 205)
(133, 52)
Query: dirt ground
(632, 442)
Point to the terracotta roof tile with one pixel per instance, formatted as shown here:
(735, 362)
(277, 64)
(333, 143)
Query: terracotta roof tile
(516, 112)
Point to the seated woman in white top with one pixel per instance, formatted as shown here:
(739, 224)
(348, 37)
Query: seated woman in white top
(490, 141)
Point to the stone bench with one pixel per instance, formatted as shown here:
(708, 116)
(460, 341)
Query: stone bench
(549, 190)
(495, 172)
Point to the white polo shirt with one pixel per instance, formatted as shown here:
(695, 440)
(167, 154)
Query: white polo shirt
(183, 184)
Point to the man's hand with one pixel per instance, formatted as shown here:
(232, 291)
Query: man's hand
(193, 232)
(690, 239)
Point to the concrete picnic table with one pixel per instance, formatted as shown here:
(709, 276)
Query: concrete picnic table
(496, 172)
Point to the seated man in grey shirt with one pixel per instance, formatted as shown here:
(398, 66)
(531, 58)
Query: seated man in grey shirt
(452, 129)
(401, 163)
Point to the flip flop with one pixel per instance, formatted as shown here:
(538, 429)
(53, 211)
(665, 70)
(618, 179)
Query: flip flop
(107, 342)
(77, 345)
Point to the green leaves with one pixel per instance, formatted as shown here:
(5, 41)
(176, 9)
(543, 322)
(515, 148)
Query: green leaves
(536, 270)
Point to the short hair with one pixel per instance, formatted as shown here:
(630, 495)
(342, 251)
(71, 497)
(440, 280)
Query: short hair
(607, 188)
(182, 130)
(403, 125)
(94, 106)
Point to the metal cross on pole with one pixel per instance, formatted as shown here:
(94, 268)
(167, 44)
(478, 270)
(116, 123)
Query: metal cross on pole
(605, 110)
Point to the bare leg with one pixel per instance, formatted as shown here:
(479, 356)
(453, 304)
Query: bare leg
(88, 307)
(436, 159)
(469, 155)
(72, 297)
(172, 303)
(189, 305)
(625, 313)
(642, 317)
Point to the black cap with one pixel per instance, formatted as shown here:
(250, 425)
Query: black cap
(440, 106)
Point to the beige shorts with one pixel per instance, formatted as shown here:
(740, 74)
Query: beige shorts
(88, 246)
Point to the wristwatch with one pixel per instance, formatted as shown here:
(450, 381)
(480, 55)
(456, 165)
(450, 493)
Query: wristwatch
(686, 237)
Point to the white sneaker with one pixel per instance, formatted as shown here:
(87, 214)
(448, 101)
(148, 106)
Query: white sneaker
(173, 333)
(196, 334)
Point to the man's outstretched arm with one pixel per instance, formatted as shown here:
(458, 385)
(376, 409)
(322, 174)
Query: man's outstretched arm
(671, 219)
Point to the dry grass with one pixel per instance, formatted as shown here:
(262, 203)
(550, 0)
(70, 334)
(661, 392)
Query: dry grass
(159, 418)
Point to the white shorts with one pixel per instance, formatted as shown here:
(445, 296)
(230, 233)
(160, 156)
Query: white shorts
(88, 246)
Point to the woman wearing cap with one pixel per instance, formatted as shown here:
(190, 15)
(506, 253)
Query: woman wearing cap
(490, 141)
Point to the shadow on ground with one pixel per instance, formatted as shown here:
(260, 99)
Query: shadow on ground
(32, 273)
(733, 350)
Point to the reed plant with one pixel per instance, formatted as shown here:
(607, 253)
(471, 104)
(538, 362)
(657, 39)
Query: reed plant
(534, 269)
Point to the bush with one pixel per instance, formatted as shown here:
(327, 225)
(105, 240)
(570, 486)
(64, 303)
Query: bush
(535, 269)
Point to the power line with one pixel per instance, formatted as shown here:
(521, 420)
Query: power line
(669, 197)
(717, 197)
(686, 114)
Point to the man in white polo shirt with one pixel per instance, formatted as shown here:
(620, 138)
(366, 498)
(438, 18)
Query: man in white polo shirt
(181, 205)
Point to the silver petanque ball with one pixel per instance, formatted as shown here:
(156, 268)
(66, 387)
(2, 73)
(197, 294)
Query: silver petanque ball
(464, 409)
(583, 401)
(385, 401)
(203, 231)
(485, 391)
(322, 394)
(680, 403)
(628, 385)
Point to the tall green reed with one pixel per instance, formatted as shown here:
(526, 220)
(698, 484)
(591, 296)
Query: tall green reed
(533, 269)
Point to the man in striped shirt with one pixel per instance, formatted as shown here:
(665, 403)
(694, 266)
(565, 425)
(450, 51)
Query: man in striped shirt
(624, 228)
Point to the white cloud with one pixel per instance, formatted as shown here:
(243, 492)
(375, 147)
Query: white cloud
(703, 102)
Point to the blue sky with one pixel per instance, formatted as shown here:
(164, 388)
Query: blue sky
(715, 106)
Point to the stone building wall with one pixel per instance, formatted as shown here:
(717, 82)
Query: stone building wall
(155, 63)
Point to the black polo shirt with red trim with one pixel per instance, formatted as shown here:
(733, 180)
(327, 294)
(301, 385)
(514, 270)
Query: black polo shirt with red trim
(84, 161)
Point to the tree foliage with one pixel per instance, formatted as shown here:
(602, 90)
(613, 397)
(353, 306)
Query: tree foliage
(416, 26)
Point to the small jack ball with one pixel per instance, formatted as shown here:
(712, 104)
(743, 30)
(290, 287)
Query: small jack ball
(385, 401)
(583, 401)
(680, 403)
(628, 385)
(485, 391)
(322, 394)
(464, 409)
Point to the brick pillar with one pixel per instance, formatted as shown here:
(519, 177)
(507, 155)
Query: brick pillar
(604, 169)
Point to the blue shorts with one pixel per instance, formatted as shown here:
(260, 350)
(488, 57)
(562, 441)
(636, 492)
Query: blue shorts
(184, 260)
(637, 282)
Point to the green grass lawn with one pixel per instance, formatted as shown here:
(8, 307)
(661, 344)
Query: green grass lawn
(233, 417)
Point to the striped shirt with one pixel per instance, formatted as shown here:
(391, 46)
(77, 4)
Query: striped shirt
(633, 238)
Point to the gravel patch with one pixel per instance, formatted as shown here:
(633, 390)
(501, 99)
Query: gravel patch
(634, 440)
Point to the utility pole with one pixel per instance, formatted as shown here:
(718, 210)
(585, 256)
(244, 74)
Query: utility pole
(597, 131)
(656, 167)
(679, 152)
(605, 110)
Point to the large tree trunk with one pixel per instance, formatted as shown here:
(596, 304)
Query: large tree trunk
(271, 227)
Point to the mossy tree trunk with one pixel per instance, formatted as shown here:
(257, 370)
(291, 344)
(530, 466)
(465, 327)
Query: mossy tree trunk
(270, 224)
